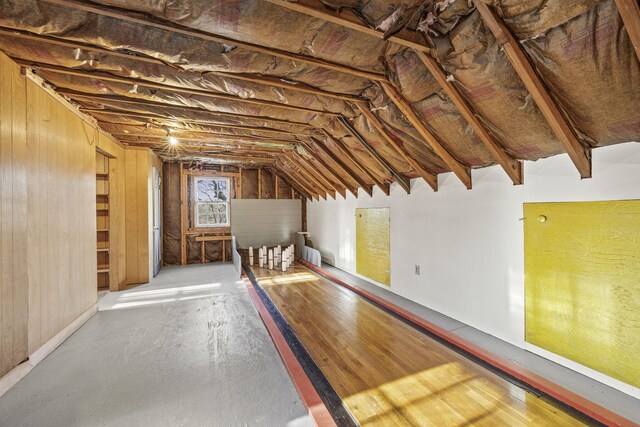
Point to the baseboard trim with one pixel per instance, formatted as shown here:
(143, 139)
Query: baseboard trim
(12, 377)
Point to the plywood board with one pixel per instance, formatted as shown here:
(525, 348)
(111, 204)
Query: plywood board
(373, 244)
(582, 270)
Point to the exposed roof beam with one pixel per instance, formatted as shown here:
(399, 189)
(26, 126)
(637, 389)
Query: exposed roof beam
(430, 178)
(278, 173)
(225, 157)
(147, 103)
(320, 174)
(403, 105)
(511, 166)
(273, 81)
(186, 146)
(402, 180)
(233, 139)
(205, 131)
(98, 75)
(366, 187)
(579, 154)
(310, 177)
(291, 175)
(347, 153)
(630, 12)
(155, 22)
(346, 18)
(336, 177)
(154, 116)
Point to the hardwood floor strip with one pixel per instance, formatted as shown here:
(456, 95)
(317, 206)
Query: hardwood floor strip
(340, 415)
(390, 373)
(524, 377)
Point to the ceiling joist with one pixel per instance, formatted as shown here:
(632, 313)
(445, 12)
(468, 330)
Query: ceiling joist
(320, 174)
(629, 11)
(309, 176)
(336, 177)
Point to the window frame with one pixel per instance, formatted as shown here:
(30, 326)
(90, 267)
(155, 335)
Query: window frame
(196, 218)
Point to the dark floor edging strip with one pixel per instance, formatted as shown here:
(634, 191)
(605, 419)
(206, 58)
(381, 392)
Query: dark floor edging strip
(306, 375)
(561, 394)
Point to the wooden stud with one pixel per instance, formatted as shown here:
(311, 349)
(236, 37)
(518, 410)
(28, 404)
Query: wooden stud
(463, 172)
(171, 27)
(274, 81)
(275, 179)
(511, 166)
(97, 75)
(183, 216)
(366, 187)
(259, 183)
(402, 180)
(579, 154)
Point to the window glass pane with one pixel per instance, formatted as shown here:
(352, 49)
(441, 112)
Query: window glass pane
(212, 190)
(211, 214)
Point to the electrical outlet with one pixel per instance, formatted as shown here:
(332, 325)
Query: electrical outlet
(417, 270)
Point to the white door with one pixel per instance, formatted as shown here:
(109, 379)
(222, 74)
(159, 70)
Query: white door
(157, 250)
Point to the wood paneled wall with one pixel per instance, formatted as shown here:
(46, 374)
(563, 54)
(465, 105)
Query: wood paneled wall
(13, 217)
(47, 214)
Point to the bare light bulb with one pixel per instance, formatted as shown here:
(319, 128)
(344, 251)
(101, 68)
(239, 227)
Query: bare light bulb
(173, 140)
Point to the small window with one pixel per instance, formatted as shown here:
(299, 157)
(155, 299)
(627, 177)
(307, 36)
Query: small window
(212, 202)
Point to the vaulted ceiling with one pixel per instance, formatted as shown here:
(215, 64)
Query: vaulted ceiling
(338, 95)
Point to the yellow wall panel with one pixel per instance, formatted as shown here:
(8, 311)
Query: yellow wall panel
(582, 282)
(372, 244)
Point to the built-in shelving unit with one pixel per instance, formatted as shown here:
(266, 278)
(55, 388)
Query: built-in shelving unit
(102, 219)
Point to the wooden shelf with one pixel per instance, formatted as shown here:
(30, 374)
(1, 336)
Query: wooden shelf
(102, 271)
(103, 249)
(102, 194)
(103, 230)
(102, 175)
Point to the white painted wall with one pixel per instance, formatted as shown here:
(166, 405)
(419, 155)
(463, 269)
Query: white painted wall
(257, 222)
(470, 243)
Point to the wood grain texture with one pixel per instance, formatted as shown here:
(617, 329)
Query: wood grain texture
(13, 217)
(389, 373)
(60, 213)
(581, 283)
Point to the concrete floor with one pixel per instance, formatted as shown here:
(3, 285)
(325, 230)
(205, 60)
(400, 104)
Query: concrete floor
(188, 349)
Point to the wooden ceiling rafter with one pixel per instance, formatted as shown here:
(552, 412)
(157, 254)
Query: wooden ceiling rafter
(154, 116)
(158, 23)
(148, 103)
(277, 172)
(176, 131)
(211, 137)
(346, 168)
(273, 81)
(310, 177)
(402, 180)
(164, 146)
(99, 75)
(320, 174)
(458, 168)
(511, 166)
(579, 154)
(629, 11)
(205, 126)
(430, 178)
(285, 168)
(336, 177)
(344, 17)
